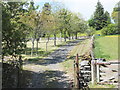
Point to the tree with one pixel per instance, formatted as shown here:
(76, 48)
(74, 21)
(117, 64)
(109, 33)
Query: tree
(98, 16)
(14, 31)
(32, 19)
(91, 22)
(60, 24)
(107, 18)
(55, 26)
(39, 29)
(116, 13)
(78, 25)
(56, 21)
(46, 18)
(111, 29)
(90, 31)
(64, 15)
(99, 19)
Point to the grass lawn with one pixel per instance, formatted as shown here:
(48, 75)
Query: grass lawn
(106, 47)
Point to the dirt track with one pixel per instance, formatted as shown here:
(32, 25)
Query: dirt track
(48, 73)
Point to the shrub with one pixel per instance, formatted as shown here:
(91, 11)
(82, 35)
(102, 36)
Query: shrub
(111, 29)
(90, 31)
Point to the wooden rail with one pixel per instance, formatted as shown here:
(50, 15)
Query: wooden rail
(96, 72)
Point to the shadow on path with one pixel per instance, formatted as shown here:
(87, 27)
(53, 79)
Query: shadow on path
(58, 55)
(46, 79)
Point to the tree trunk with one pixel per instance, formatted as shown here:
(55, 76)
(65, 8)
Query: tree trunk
(54, 39)
(47, 42)
(76, 35)
(32, 47)
(46, 45)
(72, 36)
(48, 38)
(69, 36)
(37, 46)
(65, 36)
(2, 58)
(25, 48)
(61, 36)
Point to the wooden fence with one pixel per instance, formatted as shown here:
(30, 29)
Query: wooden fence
(96, 65)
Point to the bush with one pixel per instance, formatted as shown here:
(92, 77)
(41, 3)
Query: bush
(90, 31)
(111, 29)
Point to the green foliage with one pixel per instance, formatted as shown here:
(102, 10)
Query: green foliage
(32, 19)
(91, 22)
(77, 24)
(22, 21)
(71, 23)
(116, 13)
(64, 15)
(111, 29)
(46, 18)
(107, 18)
(99, 19)
(90, 31)
(14, 31)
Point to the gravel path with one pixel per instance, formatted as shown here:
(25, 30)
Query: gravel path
(50, 74)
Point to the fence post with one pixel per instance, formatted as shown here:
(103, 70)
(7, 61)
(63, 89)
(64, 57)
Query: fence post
(76, 69)
(77, 72)
(93, 71)
(74, 74)
(98, 72)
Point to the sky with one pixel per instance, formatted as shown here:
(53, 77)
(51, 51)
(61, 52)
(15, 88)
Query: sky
(85, 7)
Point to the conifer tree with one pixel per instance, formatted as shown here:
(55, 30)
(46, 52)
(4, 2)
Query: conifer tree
(100, 18)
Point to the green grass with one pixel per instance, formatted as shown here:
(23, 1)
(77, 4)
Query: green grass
(106, 47)
(98, 32)
(81, 48)
(82, 34)
(101, 86)
(68, 66)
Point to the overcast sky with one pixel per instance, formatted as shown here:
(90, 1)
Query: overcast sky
(85, 7)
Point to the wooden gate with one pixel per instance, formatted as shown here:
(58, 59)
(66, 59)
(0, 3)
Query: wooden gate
(103, 72)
